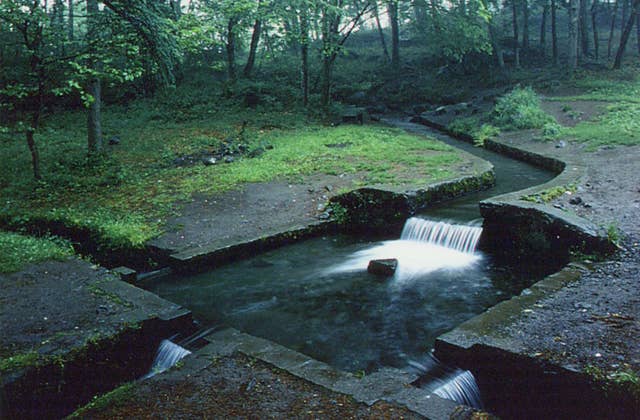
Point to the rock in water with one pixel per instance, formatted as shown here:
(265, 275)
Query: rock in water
(384, 267)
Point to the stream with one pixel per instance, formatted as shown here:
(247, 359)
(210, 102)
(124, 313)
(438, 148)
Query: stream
(304, 298)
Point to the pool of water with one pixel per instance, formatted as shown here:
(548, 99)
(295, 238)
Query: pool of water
(316, 297)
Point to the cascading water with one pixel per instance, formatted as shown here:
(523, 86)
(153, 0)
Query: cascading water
(462, 238)
(168, 355)
(423, 247)
(446, 382)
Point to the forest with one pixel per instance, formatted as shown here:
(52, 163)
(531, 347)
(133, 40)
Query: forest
(156, 138)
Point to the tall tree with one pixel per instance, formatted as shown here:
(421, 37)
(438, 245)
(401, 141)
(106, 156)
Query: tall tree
(70, 17)
(611, 29)
(232, 22)
(525, 24)
(594, 26)
(543, 26)
(94, 88)
(573, 35)
(255, 39)
(392, 9)
(584, 28)
(304, 53)
(383, 42)
(624, 38)
(554, 33)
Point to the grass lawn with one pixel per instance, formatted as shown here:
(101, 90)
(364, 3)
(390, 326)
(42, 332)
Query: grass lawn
(125, 198)
(17, 250)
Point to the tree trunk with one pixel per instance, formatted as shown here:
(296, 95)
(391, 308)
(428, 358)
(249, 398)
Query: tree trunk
(94, 128)
(70, 17)
(35, 155)
(383, 42)
(594, 25)
(304, 53)
(613, 25)
(525, 24)
(584, 28)
(419, 12)
(625, 14)
(177, 8)
(495, 43)
(514, 21)
(625, 34)
(543, 28)
(573, 35)
(327, 62)
(231, 48)
(638, 31)
(255, 39)
(392, 9)
(554, 33)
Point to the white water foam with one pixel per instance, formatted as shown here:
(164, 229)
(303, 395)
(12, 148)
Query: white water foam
(168, 354)
(425, 246)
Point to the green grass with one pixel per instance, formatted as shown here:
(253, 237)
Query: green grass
(620, 125)
(125, 198)
(113, 398)
(18, 250)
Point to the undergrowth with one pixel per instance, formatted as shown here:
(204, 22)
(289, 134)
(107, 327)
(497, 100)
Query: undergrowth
(17, 250)
(124, 199)
(520, 109)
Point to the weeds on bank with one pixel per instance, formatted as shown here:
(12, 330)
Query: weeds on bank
(520, 109)
(18, 250)
(114, 398)
(124, 198)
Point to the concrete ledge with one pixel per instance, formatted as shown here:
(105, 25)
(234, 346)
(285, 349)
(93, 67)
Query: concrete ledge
(388, 384)
(199, 259)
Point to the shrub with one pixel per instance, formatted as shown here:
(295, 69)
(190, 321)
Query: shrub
(520, 109)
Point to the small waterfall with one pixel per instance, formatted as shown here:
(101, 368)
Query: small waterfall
(446, 382)
(168, 354)
(462, 238)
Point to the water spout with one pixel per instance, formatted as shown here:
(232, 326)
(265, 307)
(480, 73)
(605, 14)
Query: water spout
(168, 355)
(446, 382)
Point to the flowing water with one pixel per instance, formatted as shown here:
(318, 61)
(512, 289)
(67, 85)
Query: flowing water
(316, 296)
(167, 355)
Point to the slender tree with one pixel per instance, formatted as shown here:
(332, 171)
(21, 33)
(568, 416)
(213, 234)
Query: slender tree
(525, 24)
(383, 42)
(255, 39)
(624, 38)
(543, 27)
(94, 88)
(554, 33)
(611, 29)
(70, 17)
(594, 26)
(392, 9)
(583, 24)
(573, 35)
(232, 22)
(304, 53)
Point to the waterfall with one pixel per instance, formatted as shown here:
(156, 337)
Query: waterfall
(462, 238)
(446, 382)
(167, 355)
(425, 246)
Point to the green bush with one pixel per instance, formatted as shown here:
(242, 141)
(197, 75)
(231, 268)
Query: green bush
(519, 110)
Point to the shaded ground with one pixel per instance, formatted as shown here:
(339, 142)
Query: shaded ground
(262, 209)
(240, 386)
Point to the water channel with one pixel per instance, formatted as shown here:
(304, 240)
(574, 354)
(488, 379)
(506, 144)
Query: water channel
(316, 296)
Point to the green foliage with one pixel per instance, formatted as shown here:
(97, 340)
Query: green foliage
(474, 127)
(19, 361)
(17, 250)
(624, 377)
(550, 194)
(613, 233)
(551, 130)
(620, 125)
(520, 109)
(124, 199)
(114, 398)
(339, 214)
